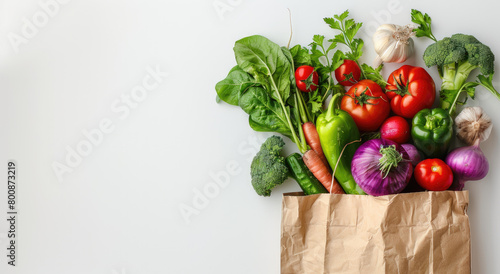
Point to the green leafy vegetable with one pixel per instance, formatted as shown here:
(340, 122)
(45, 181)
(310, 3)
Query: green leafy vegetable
(374, 74)
(320, 58)
(265, 61)
(236, 82)
(424, 22)
(263, 85)
(300, 56)
(265, 114)
(319, 52)
(348, 30)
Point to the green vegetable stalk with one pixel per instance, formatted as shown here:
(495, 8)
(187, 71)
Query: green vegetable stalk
(303, 176)
(432, 131)
(336, 129)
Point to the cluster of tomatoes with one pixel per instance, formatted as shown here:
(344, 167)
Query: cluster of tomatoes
(408, 90)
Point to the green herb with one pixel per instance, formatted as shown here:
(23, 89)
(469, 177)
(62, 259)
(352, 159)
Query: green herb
(424, 22)
(348, 30)
(321, 61)
(374, 74)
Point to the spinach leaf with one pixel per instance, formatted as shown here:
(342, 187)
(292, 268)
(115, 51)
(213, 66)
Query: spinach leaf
(289, 59)
(236, 82)
(300, 56)
(266, 114)
(265, 61)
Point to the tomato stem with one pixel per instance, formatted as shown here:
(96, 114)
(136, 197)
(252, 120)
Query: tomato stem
(402, 89)
(363, 98)
(309, 81)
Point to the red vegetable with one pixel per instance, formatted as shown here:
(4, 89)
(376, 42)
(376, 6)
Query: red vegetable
(396, 129)
(312, 139)
(321, 172)
(348, 73)
(410, 90)
(434, 175)
(367, 104)
(306, 78)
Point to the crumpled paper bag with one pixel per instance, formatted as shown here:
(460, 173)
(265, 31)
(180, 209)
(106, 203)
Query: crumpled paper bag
(423, 232)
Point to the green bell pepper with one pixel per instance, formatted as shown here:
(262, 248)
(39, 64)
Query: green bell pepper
(303, 176)
(336, 129)
(432, 131)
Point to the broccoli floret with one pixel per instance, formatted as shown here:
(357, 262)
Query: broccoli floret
(464, 39)
(268, 167)
(456, 57)
(480, 55)
(444, 52)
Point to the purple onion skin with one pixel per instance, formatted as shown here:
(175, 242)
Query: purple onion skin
(468, 164)
(457, 185)
(412, 153)
(367, 175)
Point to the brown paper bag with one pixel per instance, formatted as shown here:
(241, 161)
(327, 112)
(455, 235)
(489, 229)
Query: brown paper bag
(424, 232)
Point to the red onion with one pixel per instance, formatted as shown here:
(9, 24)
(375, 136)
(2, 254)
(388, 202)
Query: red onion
(468, 164)
(412, 153)
(381, 167)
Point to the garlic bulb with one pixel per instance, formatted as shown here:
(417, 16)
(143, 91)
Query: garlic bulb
(393, 43)
(472, 124)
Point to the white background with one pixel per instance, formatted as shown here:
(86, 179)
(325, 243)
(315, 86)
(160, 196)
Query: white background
(118, 211)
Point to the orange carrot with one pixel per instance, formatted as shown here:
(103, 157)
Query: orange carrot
(312, 139)
(321, 172)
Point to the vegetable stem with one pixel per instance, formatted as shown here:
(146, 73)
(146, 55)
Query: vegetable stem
(304, 111)
(287, 116)
(390, 158)
(325, 53)
(363, 75)
(291, 30)
(302, 137)
(455, 99)
(332, 106)
(486, 83)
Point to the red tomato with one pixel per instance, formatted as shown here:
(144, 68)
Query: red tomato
(410, 90)
(306, 78)
(348, 73)
(433, 174)
(367, 104)
(396, 129)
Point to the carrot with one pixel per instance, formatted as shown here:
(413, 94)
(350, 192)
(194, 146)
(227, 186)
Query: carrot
(321, 172)
(312, 139)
